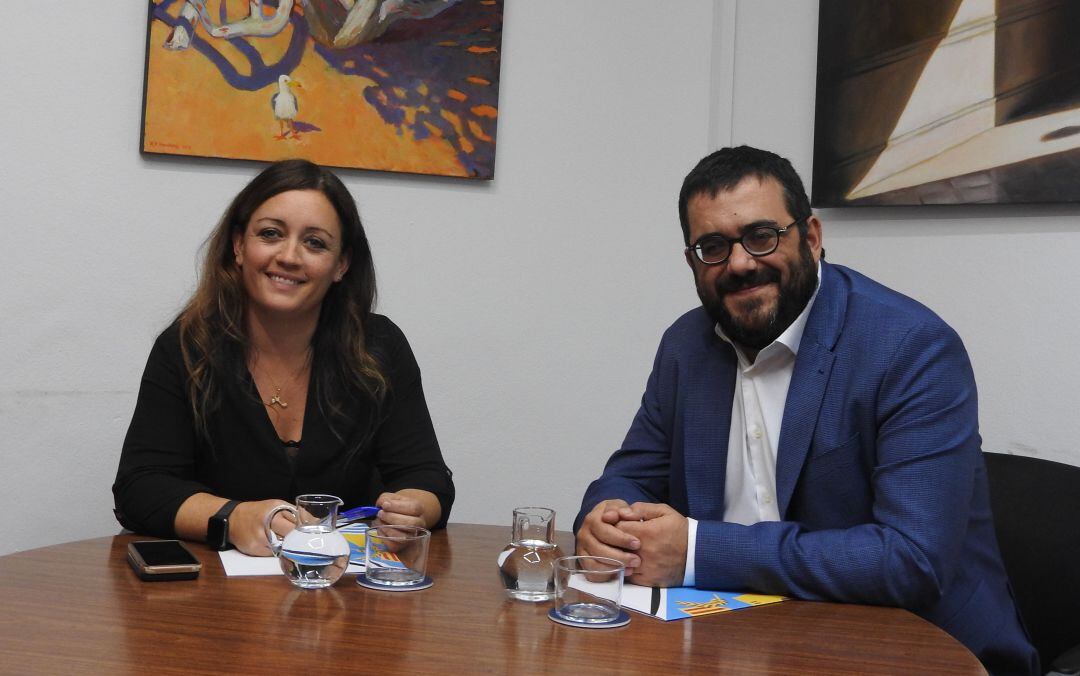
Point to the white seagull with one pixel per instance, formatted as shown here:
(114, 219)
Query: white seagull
(285, 105)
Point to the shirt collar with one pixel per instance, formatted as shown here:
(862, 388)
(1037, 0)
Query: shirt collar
(792, 335)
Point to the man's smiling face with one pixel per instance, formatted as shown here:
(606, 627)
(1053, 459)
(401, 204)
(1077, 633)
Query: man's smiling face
(754, 299)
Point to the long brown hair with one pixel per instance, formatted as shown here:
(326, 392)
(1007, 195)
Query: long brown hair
(213, 336)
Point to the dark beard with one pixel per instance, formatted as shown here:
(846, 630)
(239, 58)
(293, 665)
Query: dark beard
(792, 300)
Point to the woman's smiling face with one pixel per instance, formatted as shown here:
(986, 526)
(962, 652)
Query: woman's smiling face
(290, 254)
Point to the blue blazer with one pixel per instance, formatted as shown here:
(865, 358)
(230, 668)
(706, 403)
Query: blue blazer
(880, 481)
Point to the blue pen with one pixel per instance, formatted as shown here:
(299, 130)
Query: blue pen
(358, 513)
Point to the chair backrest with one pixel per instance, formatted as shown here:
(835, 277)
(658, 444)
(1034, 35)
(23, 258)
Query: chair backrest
(1036, 507)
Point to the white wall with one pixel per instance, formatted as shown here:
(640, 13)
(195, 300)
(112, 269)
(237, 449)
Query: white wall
(536, 326)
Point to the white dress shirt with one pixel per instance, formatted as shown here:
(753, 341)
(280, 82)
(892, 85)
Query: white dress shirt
(757, 409)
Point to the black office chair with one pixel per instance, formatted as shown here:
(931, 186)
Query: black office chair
(1036, 507)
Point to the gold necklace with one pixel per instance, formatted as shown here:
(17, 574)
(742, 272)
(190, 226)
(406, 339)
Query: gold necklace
(276, 400)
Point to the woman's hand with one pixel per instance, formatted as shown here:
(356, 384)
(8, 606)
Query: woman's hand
(409, 507)
(246, 530)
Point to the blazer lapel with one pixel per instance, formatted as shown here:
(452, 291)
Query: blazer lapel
(708, 412)
(808, 382)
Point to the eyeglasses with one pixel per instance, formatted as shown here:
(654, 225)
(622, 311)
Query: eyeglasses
(759, 241)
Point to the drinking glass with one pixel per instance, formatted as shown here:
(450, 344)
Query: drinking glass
(396, 556)
(588, 589)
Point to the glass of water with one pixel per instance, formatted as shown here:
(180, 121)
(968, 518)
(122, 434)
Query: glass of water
(314, 555)
(588, 589)
(526, 565)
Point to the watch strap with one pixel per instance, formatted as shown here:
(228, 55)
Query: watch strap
(217, 528)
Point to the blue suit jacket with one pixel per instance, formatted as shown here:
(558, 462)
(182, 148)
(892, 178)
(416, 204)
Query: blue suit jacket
(880, 481)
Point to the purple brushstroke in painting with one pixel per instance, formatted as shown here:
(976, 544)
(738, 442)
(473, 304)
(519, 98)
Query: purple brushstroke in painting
(410, 54)
(407, 56)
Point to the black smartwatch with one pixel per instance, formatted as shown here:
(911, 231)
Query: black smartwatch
(217, 528)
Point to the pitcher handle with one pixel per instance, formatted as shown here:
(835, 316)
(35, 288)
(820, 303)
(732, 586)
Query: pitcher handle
(271, 537)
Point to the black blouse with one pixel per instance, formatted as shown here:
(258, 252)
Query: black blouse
(165, 461)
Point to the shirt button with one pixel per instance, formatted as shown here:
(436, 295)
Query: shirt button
(767, 499)
(756, 431)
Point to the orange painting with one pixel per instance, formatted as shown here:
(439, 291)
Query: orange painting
(393, 85)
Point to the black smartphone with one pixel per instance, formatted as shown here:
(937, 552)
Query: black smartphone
(155, 560)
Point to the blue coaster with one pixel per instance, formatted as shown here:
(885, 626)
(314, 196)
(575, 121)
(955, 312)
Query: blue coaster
(621, 620)
(363, 581)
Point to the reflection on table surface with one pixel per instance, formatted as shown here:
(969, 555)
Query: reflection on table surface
(78, 607)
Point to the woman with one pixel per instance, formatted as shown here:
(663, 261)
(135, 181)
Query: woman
(277, 379)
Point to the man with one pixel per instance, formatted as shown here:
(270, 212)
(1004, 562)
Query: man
(807, 432)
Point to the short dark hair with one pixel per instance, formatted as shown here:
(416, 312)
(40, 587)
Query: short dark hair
(727, 167)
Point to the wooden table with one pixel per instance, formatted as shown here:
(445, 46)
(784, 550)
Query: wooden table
(78, 607)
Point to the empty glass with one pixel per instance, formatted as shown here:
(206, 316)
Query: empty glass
(588, 589)
(396, 556)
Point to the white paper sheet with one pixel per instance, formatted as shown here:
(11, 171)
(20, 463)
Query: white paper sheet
(237, 564)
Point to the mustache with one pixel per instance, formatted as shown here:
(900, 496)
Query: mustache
(762, 275)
